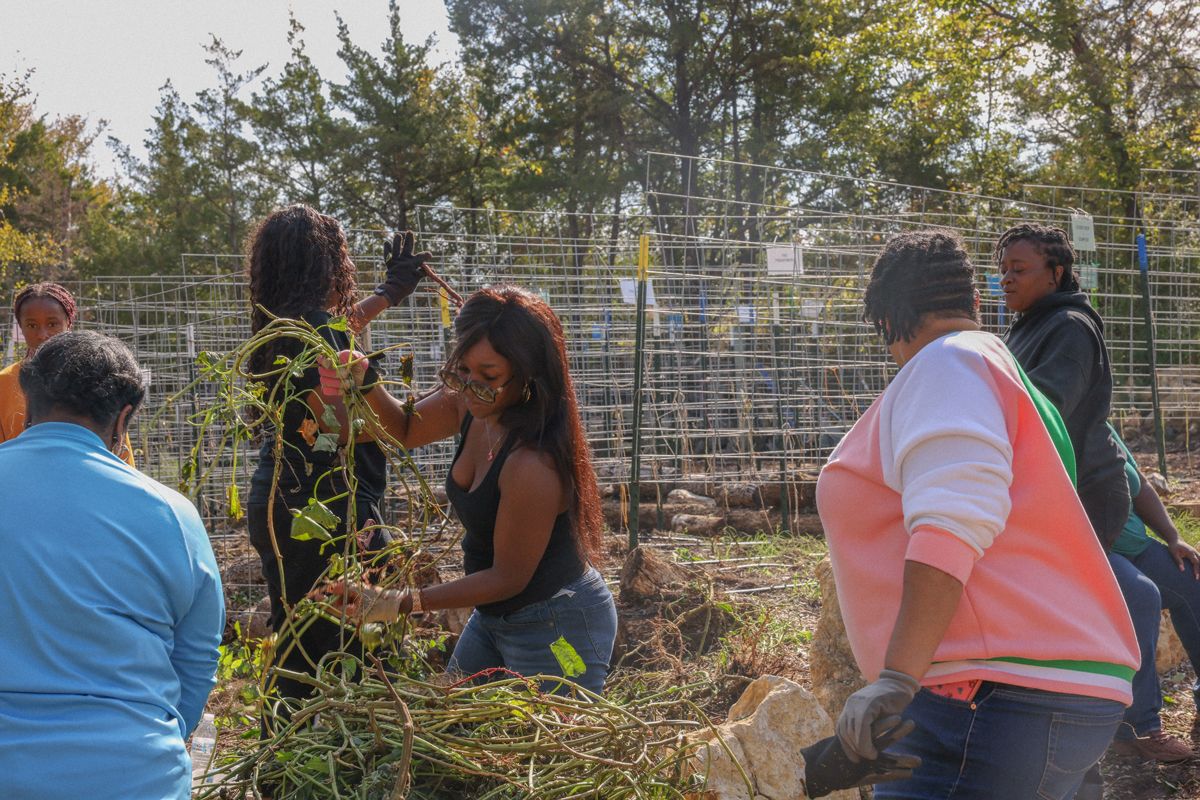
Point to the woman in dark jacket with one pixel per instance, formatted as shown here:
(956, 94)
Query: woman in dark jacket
(1058, 338)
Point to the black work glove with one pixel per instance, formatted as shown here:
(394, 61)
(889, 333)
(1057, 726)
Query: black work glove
(828, 768)
(404, 268)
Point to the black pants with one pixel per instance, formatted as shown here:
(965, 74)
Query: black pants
(303, 564)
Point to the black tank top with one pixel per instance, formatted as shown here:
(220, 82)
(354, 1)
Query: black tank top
(561, 563)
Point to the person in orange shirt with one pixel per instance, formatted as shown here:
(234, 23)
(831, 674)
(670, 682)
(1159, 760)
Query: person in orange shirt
(42, 310)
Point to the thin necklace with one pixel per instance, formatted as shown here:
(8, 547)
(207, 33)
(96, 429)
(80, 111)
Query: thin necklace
(491, 446)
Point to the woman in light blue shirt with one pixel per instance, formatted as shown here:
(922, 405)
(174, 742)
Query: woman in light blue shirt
(112, 601)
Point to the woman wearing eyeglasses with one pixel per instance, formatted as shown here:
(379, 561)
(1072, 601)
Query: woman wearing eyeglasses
(522, 485)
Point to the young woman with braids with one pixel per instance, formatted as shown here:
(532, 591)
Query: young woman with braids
(977, 600)
(299, 268)
(42, 310)
(523, 487)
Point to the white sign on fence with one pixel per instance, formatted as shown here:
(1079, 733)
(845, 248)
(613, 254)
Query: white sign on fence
(1083, 232)
(629, 292)
(785, 260)
(1089, 277)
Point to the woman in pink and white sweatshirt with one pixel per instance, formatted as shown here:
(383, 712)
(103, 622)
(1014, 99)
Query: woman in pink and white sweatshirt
(977, 600)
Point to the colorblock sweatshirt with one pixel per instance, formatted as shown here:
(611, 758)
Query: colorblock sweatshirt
(953, 467)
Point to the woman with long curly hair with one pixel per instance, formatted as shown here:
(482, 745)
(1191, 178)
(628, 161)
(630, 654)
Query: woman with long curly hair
(299, 268)
(522, 485)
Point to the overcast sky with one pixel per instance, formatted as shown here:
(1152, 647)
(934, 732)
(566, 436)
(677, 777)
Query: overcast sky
(107, 58)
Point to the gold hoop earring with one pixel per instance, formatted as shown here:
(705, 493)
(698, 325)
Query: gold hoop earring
(525, 395)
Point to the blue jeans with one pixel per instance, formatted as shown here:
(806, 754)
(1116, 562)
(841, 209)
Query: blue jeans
(1180, 595)
(582, 613)
(1145, 610)
(1009, 743)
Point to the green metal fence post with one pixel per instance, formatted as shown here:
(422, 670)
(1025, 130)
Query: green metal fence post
(639, 353)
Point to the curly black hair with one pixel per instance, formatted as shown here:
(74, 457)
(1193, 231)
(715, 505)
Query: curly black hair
(919, 273)
(297, 259)
(1051, 242)
(83, 373)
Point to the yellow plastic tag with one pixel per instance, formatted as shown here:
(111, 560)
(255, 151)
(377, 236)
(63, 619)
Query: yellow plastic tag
(444, 302)
(568, 659)
(643, 266)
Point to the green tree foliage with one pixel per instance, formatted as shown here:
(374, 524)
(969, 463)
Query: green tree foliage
(49, 197)
(410, 130)
(1112, 87)
(555, 102)
(298, 135)
(162, 211)
(225, 157)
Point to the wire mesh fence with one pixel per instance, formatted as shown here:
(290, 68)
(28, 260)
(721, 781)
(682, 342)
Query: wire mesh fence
(755, 358)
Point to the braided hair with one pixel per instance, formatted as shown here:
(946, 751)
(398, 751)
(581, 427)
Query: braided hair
(919, 273)
(50, 291)
(1051, 242)
(83, 373)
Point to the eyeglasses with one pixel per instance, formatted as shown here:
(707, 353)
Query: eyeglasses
(456, 383)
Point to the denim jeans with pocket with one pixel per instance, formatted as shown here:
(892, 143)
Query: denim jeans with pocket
(1008, 743)
(582, 613)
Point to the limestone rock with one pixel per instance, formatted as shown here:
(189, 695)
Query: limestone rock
(646, 575)
(242, 572)
(768, 725)
(1170, 650)
(689, 498)
(1131, 425)
(748, 521)
(834, 672)
(255, 623)
(422, 567)
(1191, 507)
(741, 495)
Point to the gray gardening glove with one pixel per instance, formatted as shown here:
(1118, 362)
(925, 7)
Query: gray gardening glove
(888, 695)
